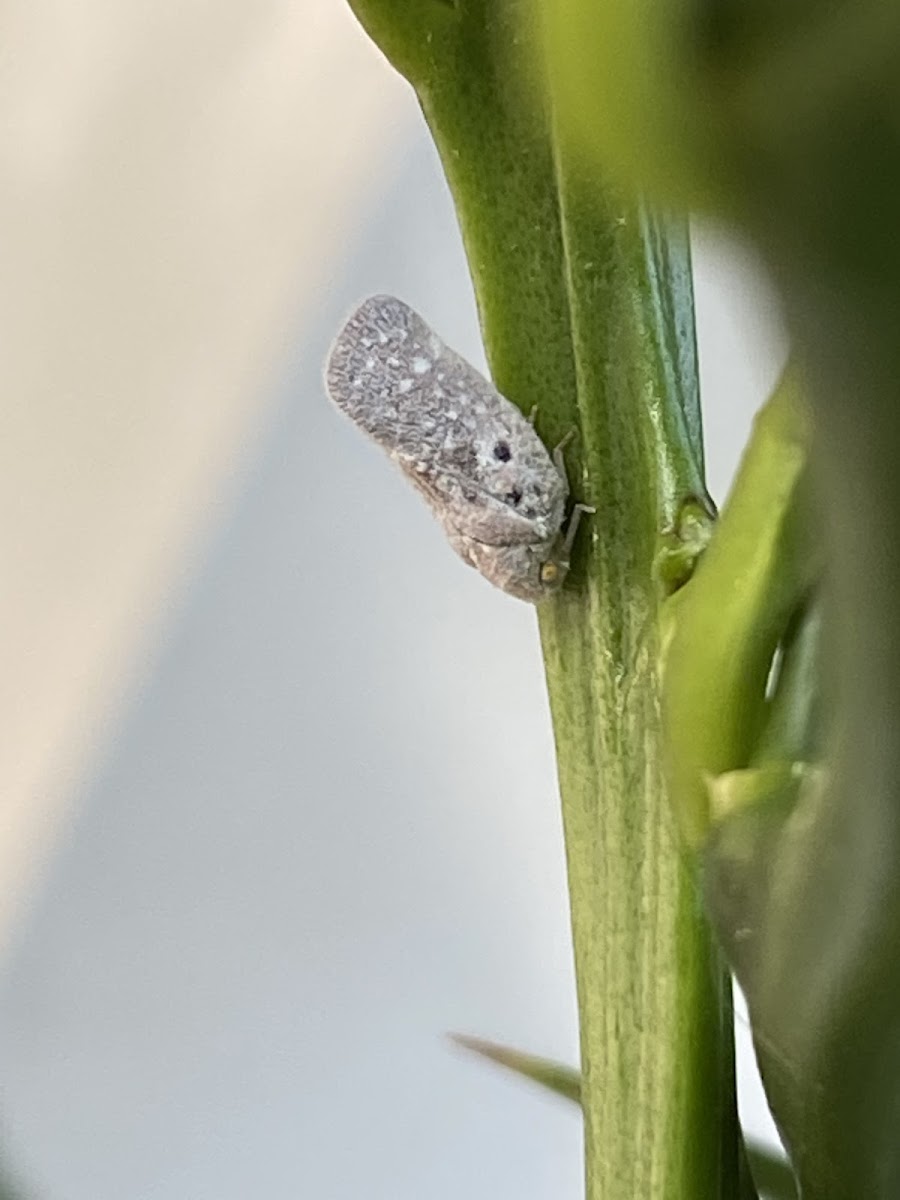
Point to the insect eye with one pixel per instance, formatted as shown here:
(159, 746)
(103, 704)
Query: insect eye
(514, 497)
(502, 452)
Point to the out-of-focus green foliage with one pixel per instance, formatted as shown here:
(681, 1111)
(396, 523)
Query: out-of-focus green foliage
(785, 118)
(771, 1174)
(730, 618)
(610, 70)
(717, 104)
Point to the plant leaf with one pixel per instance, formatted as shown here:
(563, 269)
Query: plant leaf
(729, 619)
(556, 1077)
(771, 1173)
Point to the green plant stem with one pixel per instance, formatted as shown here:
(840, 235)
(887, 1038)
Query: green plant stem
(586, 307)
(653, 1004)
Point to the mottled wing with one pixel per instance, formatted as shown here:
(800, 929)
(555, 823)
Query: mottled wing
(472, 454)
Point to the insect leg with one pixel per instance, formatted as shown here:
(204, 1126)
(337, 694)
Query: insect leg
(572, 529)
(559, 459)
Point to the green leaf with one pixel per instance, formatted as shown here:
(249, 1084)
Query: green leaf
(728, 621)
(721, 106)
(796, 714)
(631, 91)
(555, 1077)
(771, 1173)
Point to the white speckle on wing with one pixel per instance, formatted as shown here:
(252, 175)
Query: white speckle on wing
(404, 386)
(421, 365)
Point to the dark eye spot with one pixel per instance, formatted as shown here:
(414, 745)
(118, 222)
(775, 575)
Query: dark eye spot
(513, 497)
(502, 452)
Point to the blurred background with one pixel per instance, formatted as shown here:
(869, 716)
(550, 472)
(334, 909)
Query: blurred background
(279, 806)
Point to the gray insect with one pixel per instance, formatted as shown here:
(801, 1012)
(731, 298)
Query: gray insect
(476, 459)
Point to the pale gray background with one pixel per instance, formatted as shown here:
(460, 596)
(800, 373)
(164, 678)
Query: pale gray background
(327, 830)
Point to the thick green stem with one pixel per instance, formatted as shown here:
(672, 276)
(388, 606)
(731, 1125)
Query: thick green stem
(586, 306)
(653, 1002)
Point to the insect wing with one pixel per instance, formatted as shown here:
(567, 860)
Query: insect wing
(475, 458)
